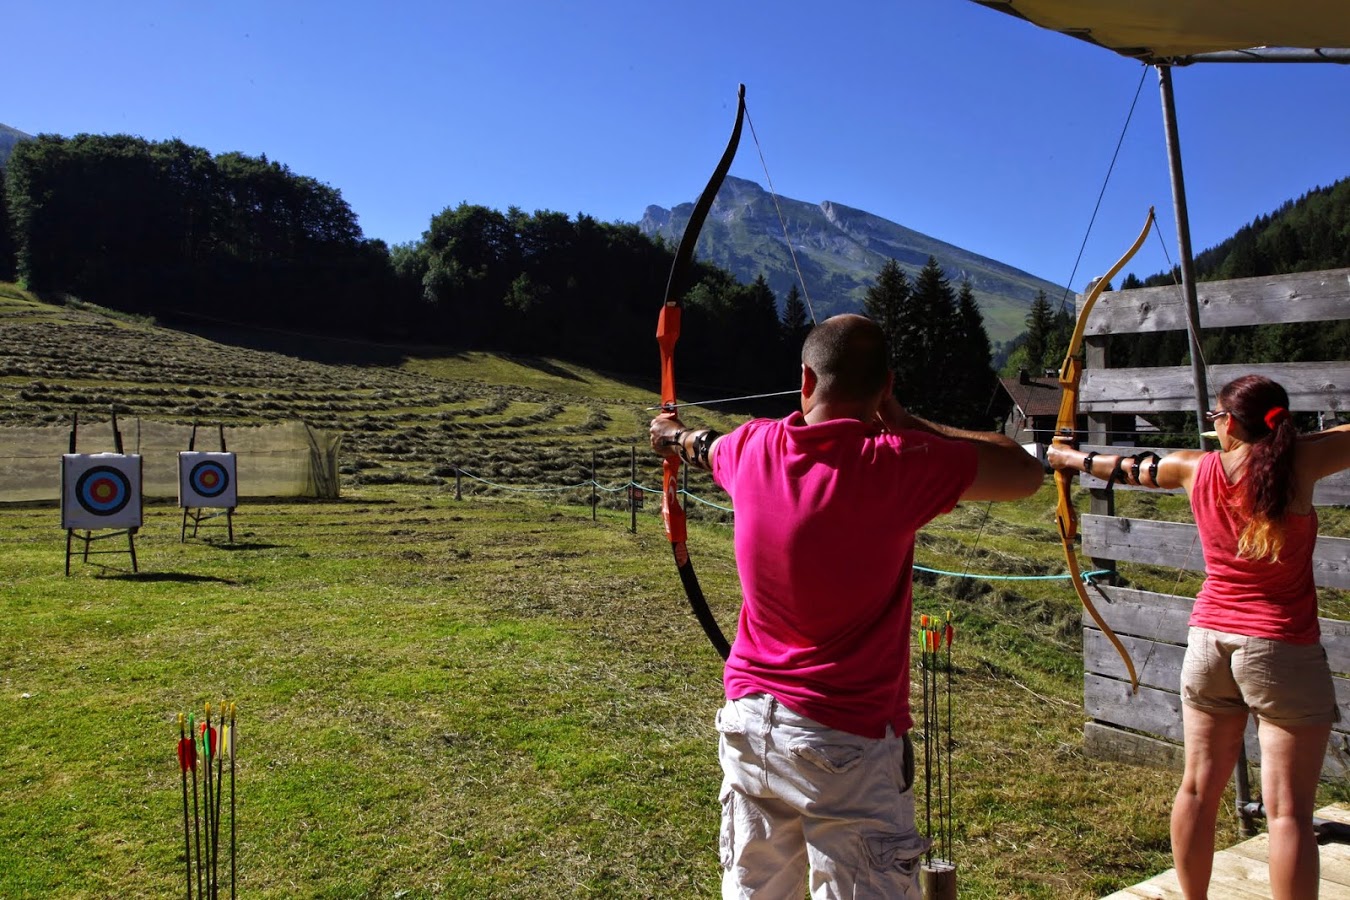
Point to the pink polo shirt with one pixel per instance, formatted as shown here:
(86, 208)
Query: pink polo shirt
(1245, 596)
(825, 521)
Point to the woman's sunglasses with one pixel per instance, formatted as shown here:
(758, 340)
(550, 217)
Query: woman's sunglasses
(1215, 414)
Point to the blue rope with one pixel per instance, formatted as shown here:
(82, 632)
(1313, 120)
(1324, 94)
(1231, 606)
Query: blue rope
(1085, 575)
(694, 497)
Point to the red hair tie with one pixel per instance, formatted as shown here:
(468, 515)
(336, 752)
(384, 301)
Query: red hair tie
(1276, 415)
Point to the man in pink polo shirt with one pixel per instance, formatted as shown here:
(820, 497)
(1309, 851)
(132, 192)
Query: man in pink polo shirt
(817, 766)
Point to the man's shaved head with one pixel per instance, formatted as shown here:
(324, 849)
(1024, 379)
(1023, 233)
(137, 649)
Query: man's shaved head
(849, 357)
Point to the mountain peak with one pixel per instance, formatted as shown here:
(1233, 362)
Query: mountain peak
(8, 138)
(840, 249)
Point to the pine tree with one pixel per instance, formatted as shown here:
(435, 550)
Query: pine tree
(973, 371)
(927, 348)
(1039, 329)
(796, 321)
(885, 303)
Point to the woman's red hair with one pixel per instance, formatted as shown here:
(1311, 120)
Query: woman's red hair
(1261, 406)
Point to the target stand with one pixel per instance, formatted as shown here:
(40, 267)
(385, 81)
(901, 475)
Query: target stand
(100, 492)
(206, 481)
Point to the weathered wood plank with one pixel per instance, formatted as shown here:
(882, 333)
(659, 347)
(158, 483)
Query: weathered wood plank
(1175, 545)
(1152, 711)
(1157, 713)
(1102, 741)
(1334, 490)
(1300, 297)
(1144, 614)
(1335, 879)
(1158, 665)
(1240, 871)
(1166, 617)
(1312, 386)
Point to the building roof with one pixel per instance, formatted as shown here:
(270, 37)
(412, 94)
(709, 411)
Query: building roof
(1033, 396)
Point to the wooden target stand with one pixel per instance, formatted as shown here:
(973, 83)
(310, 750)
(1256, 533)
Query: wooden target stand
(207, 481)
(100, 492)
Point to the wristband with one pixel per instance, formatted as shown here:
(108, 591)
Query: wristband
(1087, 462)
(702, 445)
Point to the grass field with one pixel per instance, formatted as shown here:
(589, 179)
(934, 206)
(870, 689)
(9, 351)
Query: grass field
(488, 697)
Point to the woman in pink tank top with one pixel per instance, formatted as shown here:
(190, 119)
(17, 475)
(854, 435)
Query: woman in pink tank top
(1254, 646)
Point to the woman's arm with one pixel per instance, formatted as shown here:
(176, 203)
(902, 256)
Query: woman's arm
(1323, 453)
(1175, 470)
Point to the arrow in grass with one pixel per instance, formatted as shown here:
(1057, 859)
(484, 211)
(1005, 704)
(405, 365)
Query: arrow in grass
(187, 758)
(228, 747)
(196, 815)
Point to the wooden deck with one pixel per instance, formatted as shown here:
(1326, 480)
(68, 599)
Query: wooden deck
(1240, 871)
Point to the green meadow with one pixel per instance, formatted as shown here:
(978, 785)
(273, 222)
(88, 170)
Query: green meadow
(496, 695)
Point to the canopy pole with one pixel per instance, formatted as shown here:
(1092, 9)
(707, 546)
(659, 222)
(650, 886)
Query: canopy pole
(1243, 802)
(1169, 109)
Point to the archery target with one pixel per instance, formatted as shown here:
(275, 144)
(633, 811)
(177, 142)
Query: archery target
(100, 490)
(206, 480)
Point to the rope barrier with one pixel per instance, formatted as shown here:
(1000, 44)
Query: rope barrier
(1066, 575)
(631, 485)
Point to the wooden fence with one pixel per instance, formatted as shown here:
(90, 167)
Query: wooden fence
(1146, 727)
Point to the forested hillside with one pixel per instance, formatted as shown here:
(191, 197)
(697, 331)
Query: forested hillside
(1309, 234)
(168, 230)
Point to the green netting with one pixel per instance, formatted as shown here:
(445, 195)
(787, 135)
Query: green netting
(288, 459)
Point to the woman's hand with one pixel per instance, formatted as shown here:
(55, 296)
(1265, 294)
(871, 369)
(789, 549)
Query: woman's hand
(1061, 458)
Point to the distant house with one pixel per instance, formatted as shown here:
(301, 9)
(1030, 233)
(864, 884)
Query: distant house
(1035, 409)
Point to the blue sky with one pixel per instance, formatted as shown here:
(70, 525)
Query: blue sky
(941, 115)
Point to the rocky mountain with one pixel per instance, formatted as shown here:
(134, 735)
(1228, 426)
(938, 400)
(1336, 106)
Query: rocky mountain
(840, 250)
(8, 138)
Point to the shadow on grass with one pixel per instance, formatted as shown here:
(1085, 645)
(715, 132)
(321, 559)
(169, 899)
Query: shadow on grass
(246, 545)
(153, 577)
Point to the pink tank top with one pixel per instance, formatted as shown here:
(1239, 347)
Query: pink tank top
(1244, 596)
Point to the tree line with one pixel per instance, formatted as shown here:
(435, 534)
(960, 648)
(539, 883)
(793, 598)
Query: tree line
(1309, 234)
(166, 229)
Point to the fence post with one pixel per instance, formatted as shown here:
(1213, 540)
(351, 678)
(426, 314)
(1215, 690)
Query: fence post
(632, 492)
(593, 481)
(458, 494)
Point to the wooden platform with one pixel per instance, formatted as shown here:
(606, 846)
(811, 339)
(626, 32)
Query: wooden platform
(1240, 871)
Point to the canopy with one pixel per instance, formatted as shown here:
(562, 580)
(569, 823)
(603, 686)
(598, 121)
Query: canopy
(1183, 31)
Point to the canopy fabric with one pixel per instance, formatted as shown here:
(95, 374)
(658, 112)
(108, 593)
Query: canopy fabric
(1175, 30)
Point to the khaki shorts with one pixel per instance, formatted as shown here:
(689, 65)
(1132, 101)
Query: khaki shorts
(1281, 683)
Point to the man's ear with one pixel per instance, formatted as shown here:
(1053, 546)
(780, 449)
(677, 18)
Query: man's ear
(809, 381)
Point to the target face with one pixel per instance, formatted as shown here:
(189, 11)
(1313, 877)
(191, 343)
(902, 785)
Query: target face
(206, 480)
(100, 490)
(209, 478)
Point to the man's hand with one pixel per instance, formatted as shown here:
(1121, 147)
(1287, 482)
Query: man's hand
(665, 432)
(893, 416)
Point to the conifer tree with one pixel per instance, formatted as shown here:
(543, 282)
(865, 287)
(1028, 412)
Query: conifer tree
(6, 244)
(886, 303)
(796, 320)
(928, 344)
(1039, 328)
(973, 371)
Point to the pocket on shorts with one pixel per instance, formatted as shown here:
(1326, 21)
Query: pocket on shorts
(899, 852)
(729, 719)
(837, 758)
(726, 836)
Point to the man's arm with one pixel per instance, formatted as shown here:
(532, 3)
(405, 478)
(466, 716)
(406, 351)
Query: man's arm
(1004, 471)
(669, 437)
